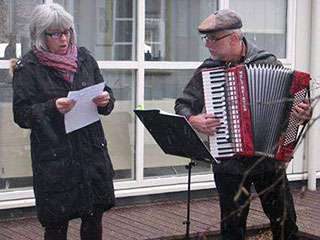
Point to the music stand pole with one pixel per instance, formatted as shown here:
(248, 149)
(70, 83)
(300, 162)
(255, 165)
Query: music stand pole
(174, 134)
(189, 166)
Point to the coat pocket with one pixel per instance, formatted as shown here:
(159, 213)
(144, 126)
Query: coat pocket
(48, 152)
(56, 168)
(100, 162)
(57, 176)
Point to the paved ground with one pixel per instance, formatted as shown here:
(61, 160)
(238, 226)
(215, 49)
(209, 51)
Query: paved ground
(164, 220)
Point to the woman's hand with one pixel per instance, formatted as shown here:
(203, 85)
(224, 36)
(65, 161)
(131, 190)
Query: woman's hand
(64, 105)
(102, 99)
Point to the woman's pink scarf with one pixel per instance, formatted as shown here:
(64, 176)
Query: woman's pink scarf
(66, 64)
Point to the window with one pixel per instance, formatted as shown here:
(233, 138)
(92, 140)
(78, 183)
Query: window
(106, 27)
(171, 29)
(119, 125)
(124, 34)
(264, 23)
(161, 89)
(110, 30)
(15, 163)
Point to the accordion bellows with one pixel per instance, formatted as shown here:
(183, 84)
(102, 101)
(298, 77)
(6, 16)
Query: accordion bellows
(255, 107)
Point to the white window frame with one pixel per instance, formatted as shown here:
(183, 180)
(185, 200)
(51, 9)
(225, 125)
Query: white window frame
(117, 19)
(290, 33)
(141, 186)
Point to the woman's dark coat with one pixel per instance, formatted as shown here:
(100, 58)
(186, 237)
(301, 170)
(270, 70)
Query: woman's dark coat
(72, 173)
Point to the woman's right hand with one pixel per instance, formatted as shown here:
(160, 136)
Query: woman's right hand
(64, 105)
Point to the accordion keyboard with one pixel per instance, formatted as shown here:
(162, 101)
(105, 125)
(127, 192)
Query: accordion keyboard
(215, 101)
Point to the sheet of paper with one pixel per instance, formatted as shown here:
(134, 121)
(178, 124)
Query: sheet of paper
(84, 111)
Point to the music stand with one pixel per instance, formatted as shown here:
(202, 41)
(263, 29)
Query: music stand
(175, 136)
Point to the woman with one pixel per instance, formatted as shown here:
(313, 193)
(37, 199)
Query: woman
(72, 173)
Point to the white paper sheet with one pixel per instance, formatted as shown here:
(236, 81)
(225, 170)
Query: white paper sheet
(84, 111)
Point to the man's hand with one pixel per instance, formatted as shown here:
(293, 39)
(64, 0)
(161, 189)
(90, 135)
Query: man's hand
(102, 100)
(64, 105)
(302, 111)
(205, 123)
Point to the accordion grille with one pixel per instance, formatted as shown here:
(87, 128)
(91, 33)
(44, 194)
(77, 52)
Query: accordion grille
(269, 97)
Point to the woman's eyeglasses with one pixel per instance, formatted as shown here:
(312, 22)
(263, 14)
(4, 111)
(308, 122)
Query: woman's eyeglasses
(56, 35)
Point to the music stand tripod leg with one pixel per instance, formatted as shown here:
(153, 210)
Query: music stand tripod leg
(187, 222)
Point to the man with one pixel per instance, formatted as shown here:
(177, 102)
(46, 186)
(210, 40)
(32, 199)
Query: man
(227, 46)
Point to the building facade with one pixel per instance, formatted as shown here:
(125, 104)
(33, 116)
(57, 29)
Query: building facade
(147, 51)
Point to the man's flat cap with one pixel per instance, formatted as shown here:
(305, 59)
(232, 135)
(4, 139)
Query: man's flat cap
(220, 20)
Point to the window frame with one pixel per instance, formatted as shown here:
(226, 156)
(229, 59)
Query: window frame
(141, 185)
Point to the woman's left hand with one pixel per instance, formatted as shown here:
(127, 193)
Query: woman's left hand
(102, 99)
(303, 111)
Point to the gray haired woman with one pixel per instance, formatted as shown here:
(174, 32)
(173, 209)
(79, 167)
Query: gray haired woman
(72, 173)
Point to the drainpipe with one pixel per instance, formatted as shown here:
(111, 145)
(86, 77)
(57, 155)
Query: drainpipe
(314, 131)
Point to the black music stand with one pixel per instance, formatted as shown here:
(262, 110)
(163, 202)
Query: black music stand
(175, 136)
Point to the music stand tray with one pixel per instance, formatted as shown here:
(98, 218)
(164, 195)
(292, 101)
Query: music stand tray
(175, 136)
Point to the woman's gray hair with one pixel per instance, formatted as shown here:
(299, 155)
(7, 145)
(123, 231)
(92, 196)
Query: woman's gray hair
(47, 16)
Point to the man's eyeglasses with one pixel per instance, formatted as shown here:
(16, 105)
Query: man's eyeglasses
(212, 41)
(56, 35)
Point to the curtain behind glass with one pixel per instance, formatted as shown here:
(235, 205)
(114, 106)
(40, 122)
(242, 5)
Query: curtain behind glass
(106, 27)
(171, 29)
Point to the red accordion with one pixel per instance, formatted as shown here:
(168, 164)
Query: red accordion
(255, 107)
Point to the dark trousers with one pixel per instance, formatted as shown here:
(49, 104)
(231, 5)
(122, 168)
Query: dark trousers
(91, 228)
(276, 200)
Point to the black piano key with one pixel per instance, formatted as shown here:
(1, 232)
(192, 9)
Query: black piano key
(221, 91)
(217, 79)
(219, 113)
(217, 87)
(217, 98)
(217, 107)
(225, 148)
(226, 142)
(225, 153)
(221, 132)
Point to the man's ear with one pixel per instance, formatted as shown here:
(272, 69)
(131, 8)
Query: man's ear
(234, 39)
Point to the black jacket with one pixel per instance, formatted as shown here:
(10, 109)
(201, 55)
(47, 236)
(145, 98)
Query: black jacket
(72, 173)
(192, 103)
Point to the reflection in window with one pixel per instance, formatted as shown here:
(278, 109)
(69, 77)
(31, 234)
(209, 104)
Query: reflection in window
(14, 30)
(119, 125)
(15, 158)
(171, 29)
(264, 23)
(162, 87)
(106, 27)
(155, 30)
(124, 21)
(15, 163)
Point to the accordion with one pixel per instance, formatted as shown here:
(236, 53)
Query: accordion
(254, 105)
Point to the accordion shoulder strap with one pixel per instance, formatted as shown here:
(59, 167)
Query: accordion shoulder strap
(260, 56)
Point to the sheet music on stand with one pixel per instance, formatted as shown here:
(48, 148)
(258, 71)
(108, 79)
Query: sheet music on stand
(174, 134)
